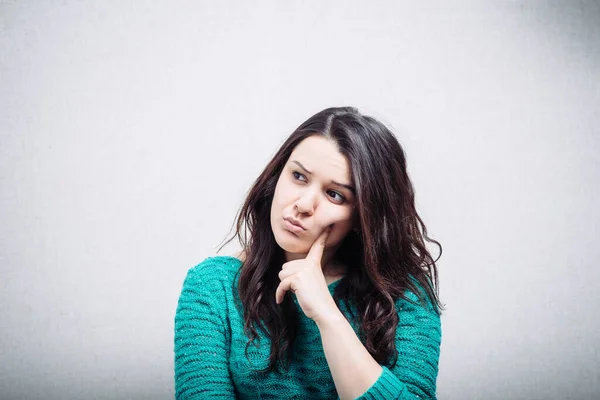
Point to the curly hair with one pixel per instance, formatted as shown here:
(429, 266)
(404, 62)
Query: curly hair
(386, 257)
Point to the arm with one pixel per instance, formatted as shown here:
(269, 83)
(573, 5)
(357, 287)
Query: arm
(353, 369)
(201, 340)
(357, 375)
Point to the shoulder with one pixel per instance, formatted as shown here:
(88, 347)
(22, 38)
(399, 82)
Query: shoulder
(206, 296)
(212, 271)
(417, 301)
(418, 316)
(241, 255)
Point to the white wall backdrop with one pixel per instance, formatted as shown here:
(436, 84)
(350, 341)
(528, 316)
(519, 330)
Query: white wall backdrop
(131, 131)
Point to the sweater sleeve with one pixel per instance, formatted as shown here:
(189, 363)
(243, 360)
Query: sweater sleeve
(201, 338)
(418, 340)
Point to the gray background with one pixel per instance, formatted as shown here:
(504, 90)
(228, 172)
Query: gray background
(131, 131)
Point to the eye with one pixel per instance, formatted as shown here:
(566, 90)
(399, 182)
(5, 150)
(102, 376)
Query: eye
(296, 172)
(342, 198)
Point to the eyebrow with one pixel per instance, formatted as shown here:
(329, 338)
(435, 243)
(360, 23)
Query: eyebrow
(349, 187)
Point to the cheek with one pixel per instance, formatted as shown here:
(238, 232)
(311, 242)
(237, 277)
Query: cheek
(280, 190)
(341, 220)
(282, 199)
(284, 193)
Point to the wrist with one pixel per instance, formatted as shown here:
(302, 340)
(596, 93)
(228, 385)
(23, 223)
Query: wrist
(330, 317)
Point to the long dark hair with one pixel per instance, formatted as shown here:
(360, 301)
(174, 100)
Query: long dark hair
(386, 256)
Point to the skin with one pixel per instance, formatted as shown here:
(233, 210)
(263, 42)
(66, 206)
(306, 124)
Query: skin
(315, 201)
(304, 277)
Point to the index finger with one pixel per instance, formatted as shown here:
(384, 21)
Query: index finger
(317, 248)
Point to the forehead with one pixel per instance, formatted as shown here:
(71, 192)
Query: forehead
(321, 155)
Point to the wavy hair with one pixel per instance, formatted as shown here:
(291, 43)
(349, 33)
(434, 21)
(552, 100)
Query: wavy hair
(386, 256)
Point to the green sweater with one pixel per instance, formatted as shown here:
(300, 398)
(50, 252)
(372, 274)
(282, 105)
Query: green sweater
(210, 343)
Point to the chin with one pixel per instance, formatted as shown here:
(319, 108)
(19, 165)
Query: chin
(289, 242)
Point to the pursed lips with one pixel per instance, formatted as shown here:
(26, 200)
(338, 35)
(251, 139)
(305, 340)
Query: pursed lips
(293, 226)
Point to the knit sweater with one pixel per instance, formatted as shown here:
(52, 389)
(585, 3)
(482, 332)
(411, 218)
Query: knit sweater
(210, 344)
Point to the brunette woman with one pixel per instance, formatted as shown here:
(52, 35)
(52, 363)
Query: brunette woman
(334, 294)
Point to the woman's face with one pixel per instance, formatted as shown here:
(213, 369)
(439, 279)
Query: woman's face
(310, 190)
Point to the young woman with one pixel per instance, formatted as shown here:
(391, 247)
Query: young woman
(334, 295)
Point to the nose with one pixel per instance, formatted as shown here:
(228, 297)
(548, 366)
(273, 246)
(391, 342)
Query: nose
(306, 203)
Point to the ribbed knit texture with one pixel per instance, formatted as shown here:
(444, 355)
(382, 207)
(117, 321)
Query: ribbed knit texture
(210, 344)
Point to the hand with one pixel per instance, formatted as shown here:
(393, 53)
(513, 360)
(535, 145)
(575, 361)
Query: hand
(305, 278)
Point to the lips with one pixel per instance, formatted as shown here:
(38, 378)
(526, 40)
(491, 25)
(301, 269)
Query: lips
(293, 225)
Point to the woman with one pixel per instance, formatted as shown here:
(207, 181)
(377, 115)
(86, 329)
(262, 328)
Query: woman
(334, 293)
